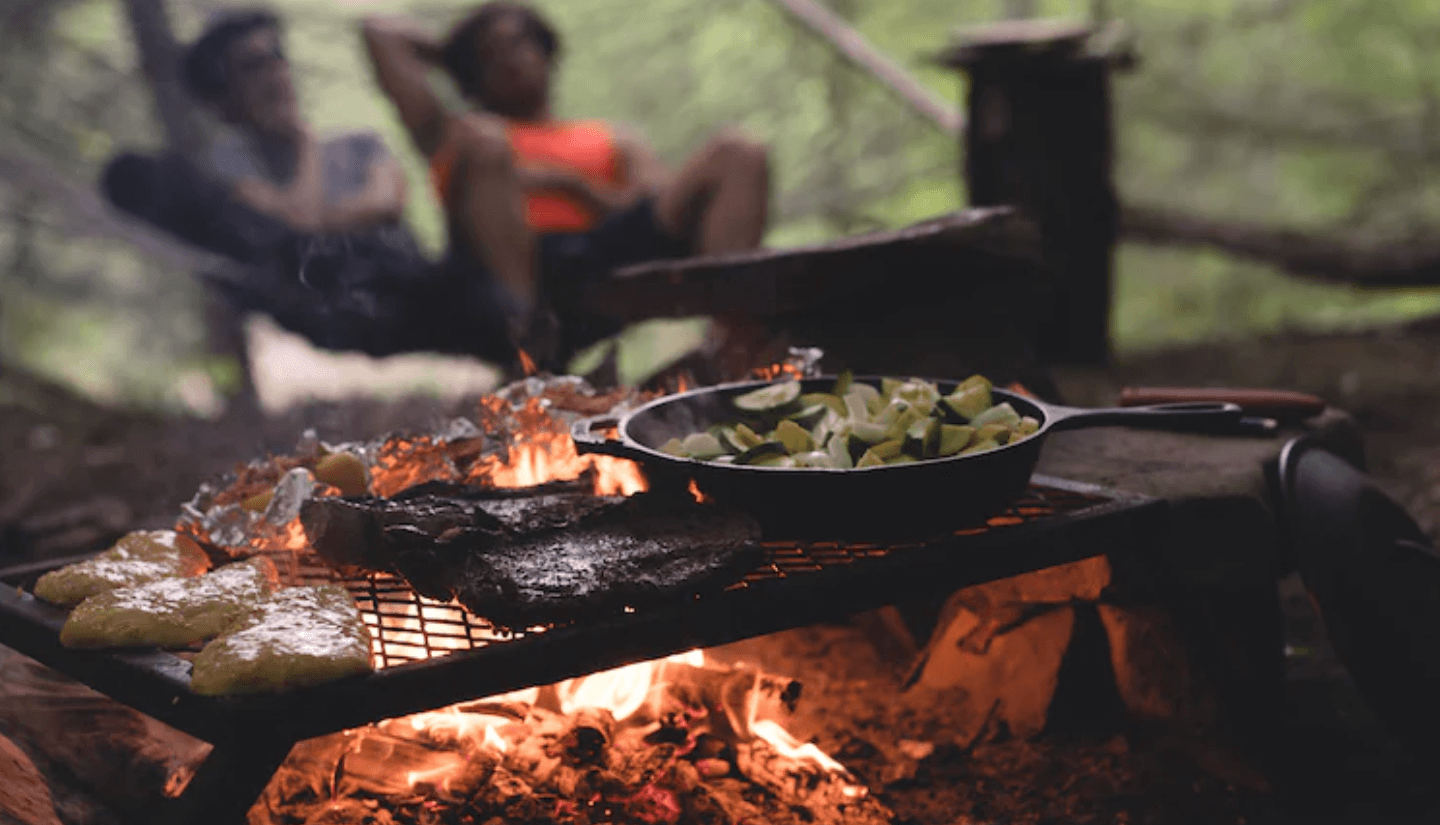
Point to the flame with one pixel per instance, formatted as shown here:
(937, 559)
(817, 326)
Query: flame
(527, 363)
(787, 745)
(776, 370)
(543, 451)
(624, 690)
(681, 385)
(696, 493)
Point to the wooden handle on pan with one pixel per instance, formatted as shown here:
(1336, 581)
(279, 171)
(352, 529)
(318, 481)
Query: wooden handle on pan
(1279, 404)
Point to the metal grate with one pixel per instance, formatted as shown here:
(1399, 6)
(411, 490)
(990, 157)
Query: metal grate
(406, 627)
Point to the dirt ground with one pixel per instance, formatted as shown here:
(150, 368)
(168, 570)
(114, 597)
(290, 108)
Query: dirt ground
(73, 474)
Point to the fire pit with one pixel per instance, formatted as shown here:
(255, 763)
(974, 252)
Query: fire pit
(430, 655)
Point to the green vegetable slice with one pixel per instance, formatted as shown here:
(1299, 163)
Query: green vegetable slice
(842, 383)
(855, 408)
(954, 438)
(832, 401)
(809, 416)
(869, 460)
(873, 400)
(770, 397)
(761, 452)
(998, 433)
(969, 403)
(674, 447)
(1029, 425)
(839, 453)
(746, 437)
(814, 458)
(980, 446)
(794, 437)
(703, 446)
(1001, 413)
(888, 449)
(870, 432)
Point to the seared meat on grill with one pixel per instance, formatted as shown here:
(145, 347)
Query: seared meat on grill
(542, 559)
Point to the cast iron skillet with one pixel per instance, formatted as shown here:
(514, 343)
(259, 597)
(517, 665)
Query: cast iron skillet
(886, 501)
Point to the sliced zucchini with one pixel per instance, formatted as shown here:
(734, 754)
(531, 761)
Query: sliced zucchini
(870, 432)
(762, 451)
(746, 437)
(703, 446)
(1029, 425)
(832, 401)
(795, 437)
(980, 446)
(998, 433)
(842, 383)
(839, 451)
(772, 397)
(954, 438)
(1001, 413)
(869, 459)
(888, 449)
(814, 458)
(873, 400)
(674, 447)
(855, 407)
(968, 403)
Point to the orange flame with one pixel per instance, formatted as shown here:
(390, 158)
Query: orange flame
(542, 451)
(776, 370)
(695, 491)
(527, 363)
(681, 385)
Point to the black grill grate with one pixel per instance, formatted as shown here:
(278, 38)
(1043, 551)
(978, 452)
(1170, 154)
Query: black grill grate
(406, 627)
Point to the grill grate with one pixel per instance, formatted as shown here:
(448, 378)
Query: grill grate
(406, 627)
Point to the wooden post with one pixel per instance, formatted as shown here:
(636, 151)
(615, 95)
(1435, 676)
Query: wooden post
(1038, 136)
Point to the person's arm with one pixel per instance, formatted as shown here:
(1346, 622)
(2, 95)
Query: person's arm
(301, 203)
(382, 200)
(402, 56)
(641, 174)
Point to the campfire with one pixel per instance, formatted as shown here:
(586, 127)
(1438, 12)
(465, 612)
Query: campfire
(677, 739)
(668, 741)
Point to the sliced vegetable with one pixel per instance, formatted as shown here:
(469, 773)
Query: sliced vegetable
(858, 425)
(761, 452)
(770, 397)
(954, 438)
(703, 446)
(869, 460)
(795, 438)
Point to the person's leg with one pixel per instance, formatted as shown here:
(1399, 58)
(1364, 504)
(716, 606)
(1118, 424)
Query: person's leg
(489, 211)
(720, 200)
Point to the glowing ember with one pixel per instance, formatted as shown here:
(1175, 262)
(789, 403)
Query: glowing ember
(787, 745)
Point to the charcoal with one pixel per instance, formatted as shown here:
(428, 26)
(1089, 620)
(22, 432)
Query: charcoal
(540, 559)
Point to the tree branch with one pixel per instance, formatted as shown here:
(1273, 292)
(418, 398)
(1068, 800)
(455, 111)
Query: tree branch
(1318, 256)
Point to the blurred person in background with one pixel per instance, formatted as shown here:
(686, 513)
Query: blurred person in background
(271, 158)
(537, 204)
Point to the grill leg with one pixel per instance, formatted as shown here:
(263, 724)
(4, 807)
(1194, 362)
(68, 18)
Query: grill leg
(228, 782)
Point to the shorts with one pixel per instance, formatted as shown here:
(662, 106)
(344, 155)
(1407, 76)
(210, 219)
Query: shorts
(631, 236)
(569, 260)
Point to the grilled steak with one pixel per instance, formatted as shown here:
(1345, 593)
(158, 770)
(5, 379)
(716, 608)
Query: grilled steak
(542, 559)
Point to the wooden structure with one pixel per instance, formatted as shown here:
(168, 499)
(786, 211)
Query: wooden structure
(943, 298)
(1038, 135)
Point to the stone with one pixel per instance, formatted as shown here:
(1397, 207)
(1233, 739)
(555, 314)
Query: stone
(1082, 580)
(1155, 674)
(1011, 680)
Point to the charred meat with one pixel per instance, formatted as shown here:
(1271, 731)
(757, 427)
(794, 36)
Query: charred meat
(521, 561)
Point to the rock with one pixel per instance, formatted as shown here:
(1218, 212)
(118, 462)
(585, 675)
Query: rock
(1082, 580)
(24, 796)
(1012, 678)
(1155, 674)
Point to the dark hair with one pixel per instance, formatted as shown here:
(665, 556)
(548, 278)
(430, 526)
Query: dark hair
(204, 68)
(459, 53)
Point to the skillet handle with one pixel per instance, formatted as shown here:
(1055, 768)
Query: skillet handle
(1184, 416)
(582, 432)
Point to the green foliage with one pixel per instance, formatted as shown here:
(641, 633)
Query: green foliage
(1317, 113)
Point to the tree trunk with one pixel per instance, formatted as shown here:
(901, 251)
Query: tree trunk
(160, 58)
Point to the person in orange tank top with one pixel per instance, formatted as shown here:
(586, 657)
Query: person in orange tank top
(536, 204)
